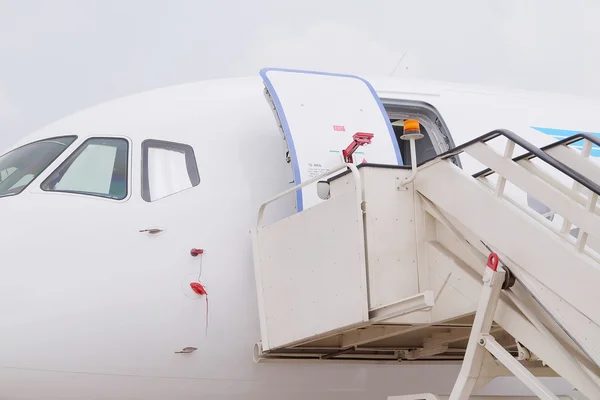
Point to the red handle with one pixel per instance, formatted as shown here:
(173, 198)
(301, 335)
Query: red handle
(198, 288)
(492, 262)
(196, 252)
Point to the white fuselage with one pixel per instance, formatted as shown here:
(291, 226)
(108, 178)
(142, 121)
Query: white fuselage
(93, 308)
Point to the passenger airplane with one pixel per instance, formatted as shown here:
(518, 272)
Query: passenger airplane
(109, 216)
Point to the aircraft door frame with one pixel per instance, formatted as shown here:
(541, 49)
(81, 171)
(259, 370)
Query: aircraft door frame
(318, 113)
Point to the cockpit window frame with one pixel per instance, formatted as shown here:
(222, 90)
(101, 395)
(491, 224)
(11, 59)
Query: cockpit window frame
(191, 164)
(42, 172)
(75, 153)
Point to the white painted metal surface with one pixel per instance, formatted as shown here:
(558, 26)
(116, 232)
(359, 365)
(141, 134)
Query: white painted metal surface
(419, 239)
(325, 276)
(392, 267)
(95, 298)
(318, 114)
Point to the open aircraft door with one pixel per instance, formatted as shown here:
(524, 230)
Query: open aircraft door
(319, 113)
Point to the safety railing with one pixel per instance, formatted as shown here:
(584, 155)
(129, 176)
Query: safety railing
(542, 154)
(360, 195)
(532, 151)
(586, 149)
(589, 141)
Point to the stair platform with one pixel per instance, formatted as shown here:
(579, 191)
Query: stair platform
(388, 267)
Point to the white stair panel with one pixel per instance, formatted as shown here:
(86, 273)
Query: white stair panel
(396, 265)
(316, 287)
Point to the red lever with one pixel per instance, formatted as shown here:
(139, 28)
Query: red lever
(198, 288)
(360, 139)
(196, 252)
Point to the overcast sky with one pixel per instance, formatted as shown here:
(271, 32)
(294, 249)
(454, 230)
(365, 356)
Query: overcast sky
(59, 56)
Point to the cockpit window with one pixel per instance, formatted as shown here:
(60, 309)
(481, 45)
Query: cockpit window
(22, 165)
(167, 168)
(99, 167)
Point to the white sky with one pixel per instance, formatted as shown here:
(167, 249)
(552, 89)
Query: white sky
(59, 56)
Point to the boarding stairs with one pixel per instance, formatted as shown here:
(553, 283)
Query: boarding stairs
(431, 264)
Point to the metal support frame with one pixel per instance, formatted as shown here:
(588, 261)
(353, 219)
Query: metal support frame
(360, 191)
(577, 187)
(542, 326)
(481, 341)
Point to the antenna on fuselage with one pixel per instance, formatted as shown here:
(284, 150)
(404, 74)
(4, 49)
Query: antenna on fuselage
(398, 63)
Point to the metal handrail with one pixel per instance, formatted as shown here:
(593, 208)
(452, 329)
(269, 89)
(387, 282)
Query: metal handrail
(566, 142)
(358, 185)
(533, 151)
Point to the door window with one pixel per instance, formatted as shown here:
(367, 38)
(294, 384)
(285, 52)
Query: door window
(99, 167)
(167, 168)
(437, 138)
